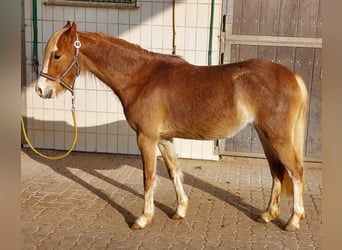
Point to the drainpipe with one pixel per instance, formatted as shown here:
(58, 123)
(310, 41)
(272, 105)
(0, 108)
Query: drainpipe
(23, 67)
(23, 52)
(35, 37)
(174, 28)
(210, 50)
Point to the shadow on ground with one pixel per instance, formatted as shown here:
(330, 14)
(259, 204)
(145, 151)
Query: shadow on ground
(61, 167)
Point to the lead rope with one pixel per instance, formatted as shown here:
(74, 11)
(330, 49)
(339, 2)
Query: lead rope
(57, 157)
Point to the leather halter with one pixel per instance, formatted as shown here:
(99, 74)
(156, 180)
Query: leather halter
(75, 62)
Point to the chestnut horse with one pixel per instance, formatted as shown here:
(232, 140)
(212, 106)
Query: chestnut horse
(164, 97)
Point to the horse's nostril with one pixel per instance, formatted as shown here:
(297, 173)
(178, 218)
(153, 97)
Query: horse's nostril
(39, 91)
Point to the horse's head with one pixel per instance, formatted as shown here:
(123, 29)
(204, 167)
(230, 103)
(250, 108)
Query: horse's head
(60, 63)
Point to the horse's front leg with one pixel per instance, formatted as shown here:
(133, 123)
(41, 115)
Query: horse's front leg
(169, 155)
(147, 148)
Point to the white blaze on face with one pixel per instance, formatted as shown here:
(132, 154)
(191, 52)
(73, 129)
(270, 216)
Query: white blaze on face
(46, 88)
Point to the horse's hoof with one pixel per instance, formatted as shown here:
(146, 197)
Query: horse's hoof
(291, 228)
(266, 217)
(261, 220)
(136, 226)
(142, 222)
(177, 217)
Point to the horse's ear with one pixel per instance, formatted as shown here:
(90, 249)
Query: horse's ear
(73, 29)
(67, 25)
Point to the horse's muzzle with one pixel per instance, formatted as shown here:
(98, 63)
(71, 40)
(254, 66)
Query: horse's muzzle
(44, 94)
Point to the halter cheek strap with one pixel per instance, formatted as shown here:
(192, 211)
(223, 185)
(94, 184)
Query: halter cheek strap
(75, 62)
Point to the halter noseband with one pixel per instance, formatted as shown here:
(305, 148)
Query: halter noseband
(60, 79)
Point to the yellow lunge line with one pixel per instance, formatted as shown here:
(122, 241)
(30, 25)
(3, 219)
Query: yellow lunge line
(57, 157)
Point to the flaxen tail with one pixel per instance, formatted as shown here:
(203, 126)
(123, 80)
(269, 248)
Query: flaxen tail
(298, 136)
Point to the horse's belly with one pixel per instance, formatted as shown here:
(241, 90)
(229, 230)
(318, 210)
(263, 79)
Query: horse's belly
(227, 131)
(209, 124)
(206, 131)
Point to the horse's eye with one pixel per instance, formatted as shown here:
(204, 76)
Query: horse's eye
(56, 56)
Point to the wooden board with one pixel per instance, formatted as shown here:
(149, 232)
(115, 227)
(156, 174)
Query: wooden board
(285, 19)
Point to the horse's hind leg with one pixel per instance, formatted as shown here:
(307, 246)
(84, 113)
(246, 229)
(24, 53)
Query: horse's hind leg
(277, 172)
(293, 172)
(167, 150)
(298, 207)
(287, 171)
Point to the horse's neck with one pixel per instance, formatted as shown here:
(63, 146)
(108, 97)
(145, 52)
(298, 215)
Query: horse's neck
(113, 61)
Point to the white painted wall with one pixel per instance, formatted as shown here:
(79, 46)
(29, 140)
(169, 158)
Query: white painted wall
(101, 122)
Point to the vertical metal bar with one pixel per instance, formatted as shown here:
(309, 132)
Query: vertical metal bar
(23, 52)
(174, 28)
(224, 17)
(35, 36)
(229, 29)
(210, 50)
(23, 65)
(222, 58)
